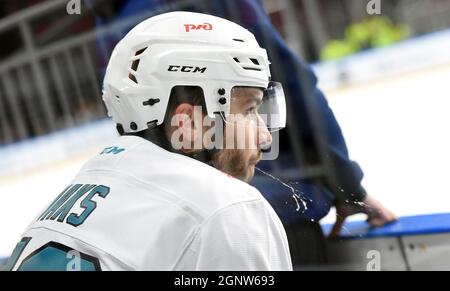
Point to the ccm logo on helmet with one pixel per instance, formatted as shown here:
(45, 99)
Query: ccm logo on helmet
(186, 69)
(204, 26)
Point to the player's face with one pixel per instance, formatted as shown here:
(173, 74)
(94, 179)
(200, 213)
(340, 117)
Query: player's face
(240, 161)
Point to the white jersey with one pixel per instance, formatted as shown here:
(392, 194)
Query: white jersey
(136, 206)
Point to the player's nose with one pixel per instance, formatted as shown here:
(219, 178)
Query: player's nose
(264, 138)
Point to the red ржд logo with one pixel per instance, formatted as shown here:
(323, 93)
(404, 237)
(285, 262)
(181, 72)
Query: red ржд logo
(204, 26)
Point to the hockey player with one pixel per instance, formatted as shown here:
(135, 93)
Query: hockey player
(168, 194)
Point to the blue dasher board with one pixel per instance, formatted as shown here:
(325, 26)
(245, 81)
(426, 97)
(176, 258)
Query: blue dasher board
(405, 226)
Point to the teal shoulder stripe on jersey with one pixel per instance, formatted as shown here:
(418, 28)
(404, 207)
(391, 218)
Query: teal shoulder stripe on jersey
(18, 250)
(57, 257)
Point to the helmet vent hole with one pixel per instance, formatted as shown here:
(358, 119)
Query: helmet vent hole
(255, 61)
(132, 78)
(252, 69)
(140, 51)
(135, 65)
(238, 40)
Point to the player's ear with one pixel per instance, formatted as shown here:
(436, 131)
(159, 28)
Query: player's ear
(183, 113)
(186, 125)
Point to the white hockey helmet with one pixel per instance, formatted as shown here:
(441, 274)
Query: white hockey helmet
(185, 49)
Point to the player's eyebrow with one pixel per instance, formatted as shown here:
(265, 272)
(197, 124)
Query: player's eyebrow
(250, 95)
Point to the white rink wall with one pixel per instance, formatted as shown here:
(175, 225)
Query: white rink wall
(393, 109)
(397, 129)
(34, 172)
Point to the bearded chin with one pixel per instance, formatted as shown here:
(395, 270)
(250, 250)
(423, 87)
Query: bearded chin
(232, 163)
